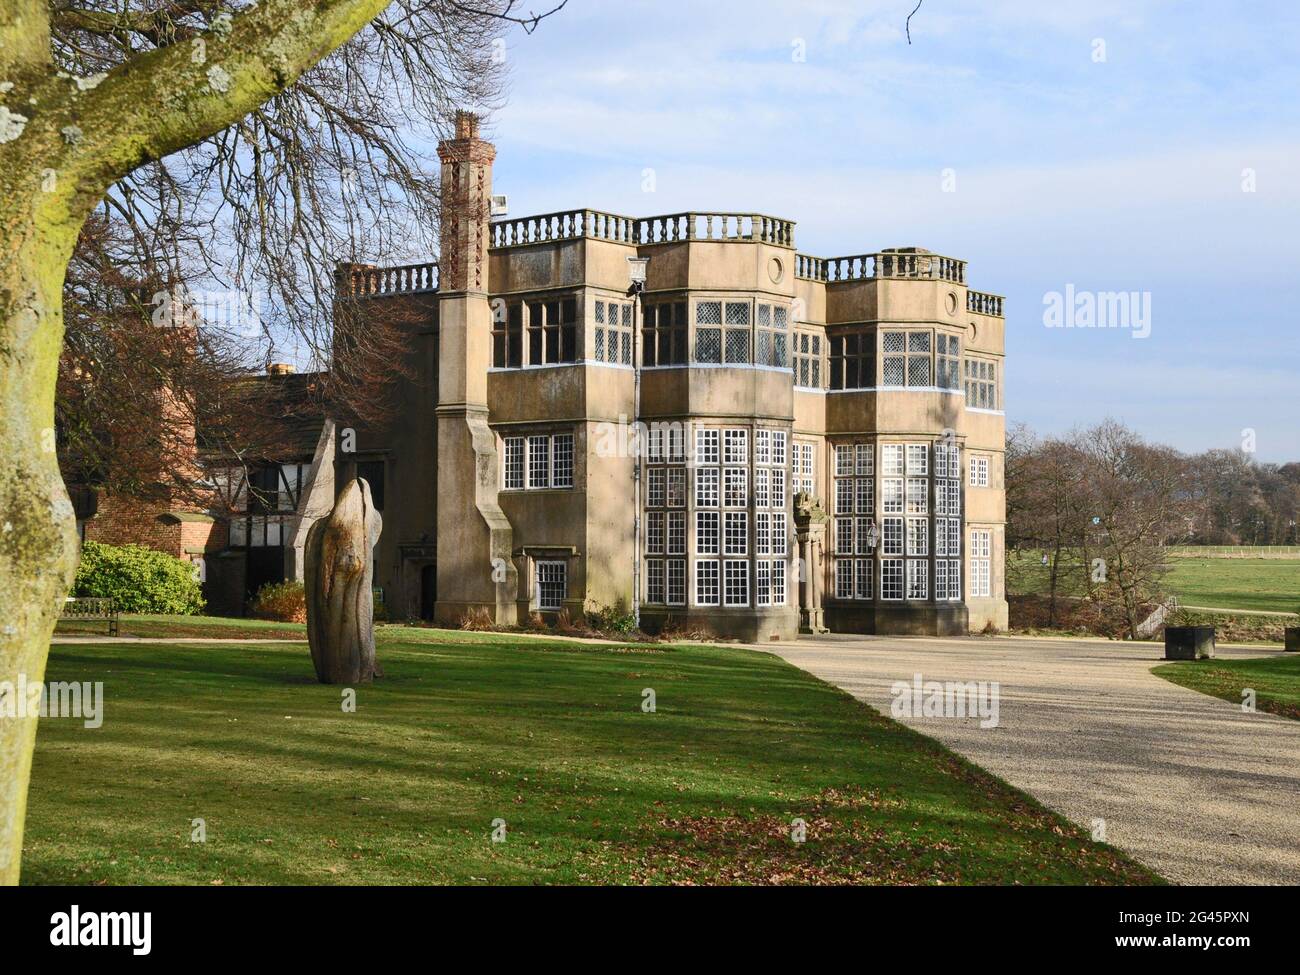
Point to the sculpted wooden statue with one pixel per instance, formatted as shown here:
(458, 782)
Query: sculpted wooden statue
(339, 569)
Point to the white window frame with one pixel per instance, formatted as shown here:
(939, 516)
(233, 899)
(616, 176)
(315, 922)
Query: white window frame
(708, 592)
(918, 579)
(736, 570)
(514, 454)
(979, 582)
(520, 470)
(708, 532)
(891, 580)
(544, 566)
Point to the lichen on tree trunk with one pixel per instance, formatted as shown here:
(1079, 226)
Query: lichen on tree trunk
(38, 537)
(339, 573)
(63, 143)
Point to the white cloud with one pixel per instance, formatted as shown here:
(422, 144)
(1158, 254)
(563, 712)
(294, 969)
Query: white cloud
(1120, 175)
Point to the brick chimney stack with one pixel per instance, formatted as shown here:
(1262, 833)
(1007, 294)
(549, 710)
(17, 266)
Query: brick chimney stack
(470, 518)
(466, 196)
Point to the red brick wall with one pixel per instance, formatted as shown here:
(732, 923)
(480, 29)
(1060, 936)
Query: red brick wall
(128, 521)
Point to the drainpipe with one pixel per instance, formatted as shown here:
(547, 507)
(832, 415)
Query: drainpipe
(637, 275)
(636, 463)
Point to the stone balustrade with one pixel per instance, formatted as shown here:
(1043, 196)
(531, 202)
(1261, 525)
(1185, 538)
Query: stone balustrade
(881, 264)
(716, 226)
(809, 267)
(565, 225)
(598, 225)
(984, 304)
(405, 279)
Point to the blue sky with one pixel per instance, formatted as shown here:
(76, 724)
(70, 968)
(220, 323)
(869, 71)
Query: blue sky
(1117, 175)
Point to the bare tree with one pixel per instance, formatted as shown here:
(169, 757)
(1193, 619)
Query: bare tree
(1137, 493)
(1047, 498)
(142, 389)
(100, 102)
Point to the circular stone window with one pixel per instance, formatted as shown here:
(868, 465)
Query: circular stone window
(952, 302)
(775, 269)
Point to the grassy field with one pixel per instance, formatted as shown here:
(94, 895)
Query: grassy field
(214, 627)
(1275, 680)
(548, 737)
(1270, 585)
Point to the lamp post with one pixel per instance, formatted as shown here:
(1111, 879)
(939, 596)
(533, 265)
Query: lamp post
(636, 273)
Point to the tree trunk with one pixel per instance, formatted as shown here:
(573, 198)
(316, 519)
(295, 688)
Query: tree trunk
(61, 146)
(339, 571)
(38, 536)
(1051, 605)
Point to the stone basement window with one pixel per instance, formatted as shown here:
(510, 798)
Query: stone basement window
(537, 461)
(552, 582)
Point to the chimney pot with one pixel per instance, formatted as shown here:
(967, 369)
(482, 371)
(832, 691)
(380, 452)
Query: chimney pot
(466, 125)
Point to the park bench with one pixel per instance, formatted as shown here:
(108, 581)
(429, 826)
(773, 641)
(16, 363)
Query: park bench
(91, 609)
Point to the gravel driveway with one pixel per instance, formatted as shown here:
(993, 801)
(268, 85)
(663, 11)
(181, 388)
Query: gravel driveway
(1189, 784)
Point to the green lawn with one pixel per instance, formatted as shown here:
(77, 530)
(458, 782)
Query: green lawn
(550, 737)
(1271, 585)
(216, 627)
(1276, 680)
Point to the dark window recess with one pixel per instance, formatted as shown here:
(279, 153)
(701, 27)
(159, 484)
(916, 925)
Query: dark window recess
(853, 361)
(535, 319)
(372, 472)
(552, 331)
(428, 591)
(265, 489)
(508, 339)
(569, 330)
(664, 334)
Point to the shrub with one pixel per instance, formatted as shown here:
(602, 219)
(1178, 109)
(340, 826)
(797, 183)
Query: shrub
(675, 630)
(611, 619)
(138, 579)
(476, 619)
(282, 601)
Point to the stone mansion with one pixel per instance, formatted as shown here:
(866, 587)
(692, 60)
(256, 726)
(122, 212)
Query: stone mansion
(683, 416)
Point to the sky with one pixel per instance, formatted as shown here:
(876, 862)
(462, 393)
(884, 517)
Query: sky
(1141, 147)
